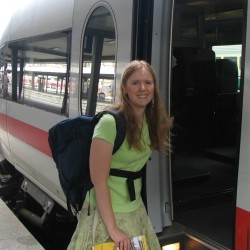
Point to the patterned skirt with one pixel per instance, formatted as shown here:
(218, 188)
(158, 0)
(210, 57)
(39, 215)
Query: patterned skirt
(91, 230)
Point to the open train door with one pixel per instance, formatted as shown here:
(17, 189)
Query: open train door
(107, 33)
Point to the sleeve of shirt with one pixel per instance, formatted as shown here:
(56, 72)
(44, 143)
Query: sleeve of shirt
(106, 129)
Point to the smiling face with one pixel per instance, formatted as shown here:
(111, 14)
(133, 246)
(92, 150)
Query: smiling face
(139, 88)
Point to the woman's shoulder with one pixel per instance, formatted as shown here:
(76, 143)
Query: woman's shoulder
(105, 128)
(107, 119)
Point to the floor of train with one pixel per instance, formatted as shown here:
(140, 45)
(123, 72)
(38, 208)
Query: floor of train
(204, 193)
(211, 221)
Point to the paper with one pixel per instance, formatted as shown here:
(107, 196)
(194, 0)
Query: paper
(137, 243)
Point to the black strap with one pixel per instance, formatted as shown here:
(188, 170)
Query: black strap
(131, 176)
(120, 126)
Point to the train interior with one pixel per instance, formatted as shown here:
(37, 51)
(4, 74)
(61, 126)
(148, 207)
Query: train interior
(206, 93)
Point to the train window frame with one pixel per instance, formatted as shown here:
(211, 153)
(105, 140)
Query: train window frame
(28, 72)
(97, 88)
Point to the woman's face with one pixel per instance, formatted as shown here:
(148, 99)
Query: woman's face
(140, 88)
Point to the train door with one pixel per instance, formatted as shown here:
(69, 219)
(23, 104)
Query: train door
(205, 101)
(242, 226)
(102, 32)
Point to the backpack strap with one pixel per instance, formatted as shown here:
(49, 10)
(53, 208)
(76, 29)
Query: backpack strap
(120, 126)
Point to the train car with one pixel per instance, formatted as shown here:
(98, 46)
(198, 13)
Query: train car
(64, 58)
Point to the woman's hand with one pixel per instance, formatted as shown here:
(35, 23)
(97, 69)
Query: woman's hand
(120, 238)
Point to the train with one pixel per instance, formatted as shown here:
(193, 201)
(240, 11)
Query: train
(64, 58)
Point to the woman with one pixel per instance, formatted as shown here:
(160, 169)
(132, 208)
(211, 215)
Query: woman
(108, 214)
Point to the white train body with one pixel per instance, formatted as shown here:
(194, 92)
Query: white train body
(24, 139)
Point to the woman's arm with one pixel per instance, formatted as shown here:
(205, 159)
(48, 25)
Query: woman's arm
(100, 161)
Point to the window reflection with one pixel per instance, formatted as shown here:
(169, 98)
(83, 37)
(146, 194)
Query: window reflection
(38, 72)
(98, 67)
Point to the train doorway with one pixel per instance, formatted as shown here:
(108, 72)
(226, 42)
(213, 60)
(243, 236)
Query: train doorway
(206, 90)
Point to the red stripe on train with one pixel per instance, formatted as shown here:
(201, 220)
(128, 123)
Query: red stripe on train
(242, 230)
(33, 136)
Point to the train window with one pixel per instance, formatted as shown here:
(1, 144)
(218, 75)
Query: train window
(232, 55)
(39, 71)
(5, 80)
(5, 74)
(98, 65)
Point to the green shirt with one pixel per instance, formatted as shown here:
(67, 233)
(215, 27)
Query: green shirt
(125, 158)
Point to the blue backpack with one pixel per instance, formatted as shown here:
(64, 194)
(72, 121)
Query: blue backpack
(70, 142)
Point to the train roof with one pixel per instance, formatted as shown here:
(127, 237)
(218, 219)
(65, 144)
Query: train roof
(38, 17)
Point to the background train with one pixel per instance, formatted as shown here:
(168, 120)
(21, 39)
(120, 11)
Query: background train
(63, 58)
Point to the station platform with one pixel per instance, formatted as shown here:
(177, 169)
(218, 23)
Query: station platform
(13, 234)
